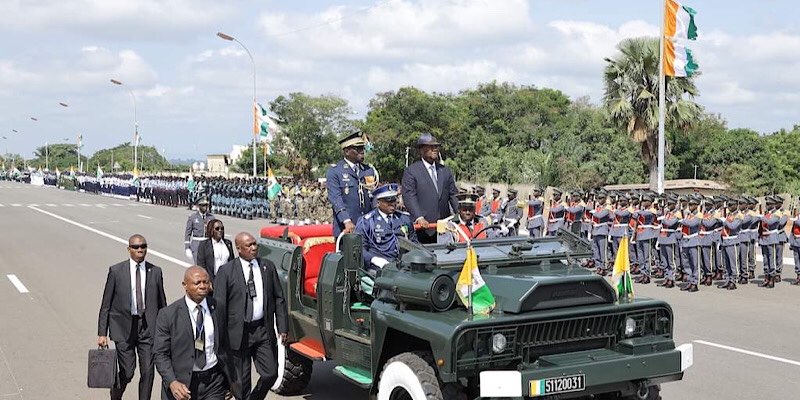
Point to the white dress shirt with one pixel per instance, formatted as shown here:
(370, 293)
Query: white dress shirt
(258, 301)
(221, 253)
(143, 278)
(432, 173)
(208, 329)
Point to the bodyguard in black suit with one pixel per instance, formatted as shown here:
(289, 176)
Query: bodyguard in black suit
(250, 303)
(429, 189)
(133, 295)
(186, 345)
(216, 251)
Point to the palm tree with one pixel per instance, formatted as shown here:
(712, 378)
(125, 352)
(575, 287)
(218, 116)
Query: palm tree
(631, 97)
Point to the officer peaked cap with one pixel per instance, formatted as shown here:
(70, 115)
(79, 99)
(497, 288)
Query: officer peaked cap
(386, 191)
(354, 139)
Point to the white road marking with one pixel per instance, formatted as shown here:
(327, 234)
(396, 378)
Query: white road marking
(114, 238)
(749, 353)
(85, 205)
(17, 283)
(51, 205)
(144, 216)
(100, 205)
(16, 205)
(34, 205)
(117, 205)
(68, 205)
(2, 205)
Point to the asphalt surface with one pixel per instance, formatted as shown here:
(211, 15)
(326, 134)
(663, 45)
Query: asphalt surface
(59, 246)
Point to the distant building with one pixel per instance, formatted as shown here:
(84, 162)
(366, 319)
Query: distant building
(220, 163)
(679, 186)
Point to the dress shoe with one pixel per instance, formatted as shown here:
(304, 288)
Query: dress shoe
(768, 283)
(668, 283)
(643, 279)
(659, 274)
(635, 270)
(687, 287)
(601, 272)
(730, 286)
(692, 288)
(707, 281)
(751, 275)
(796, 282)
(680, 277)
(743, 280)
(777, 278)
(717, 275)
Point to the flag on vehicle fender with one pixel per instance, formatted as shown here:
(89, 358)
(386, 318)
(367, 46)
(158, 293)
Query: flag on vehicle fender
(621, 278)
(471, 288)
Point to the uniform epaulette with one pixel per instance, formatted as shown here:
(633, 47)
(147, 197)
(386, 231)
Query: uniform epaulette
(402, 212)
(368, 215)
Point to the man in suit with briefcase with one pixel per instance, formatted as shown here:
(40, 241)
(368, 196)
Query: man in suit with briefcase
(186, 345)
(429, 189)
(250, 304)
(133, 294)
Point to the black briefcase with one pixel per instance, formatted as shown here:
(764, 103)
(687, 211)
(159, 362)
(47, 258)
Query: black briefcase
(102, 368)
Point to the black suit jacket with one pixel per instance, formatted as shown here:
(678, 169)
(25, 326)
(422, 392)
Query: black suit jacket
(230, 289)
(173, 348)
(420, 196)
(205, 255)
(115, 308)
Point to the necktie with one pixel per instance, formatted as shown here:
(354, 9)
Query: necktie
(433, 177)
(200, 340)
(248, 317)
(139, 298)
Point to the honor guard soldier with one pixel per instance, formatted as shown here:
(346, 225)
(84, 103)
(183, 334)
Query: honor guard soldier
(495, 209)
(483, 206)
(782, 238)
(621, 226)
(350, 183)
(744, 238)
(668, 238)
(535, 209)
(730, 244)
(466, 225)
(381, 228)
(768, 241)
(707, 241)
(690, 226)
(512, 212)
(601, 221)
(575, 212)
(647, 231)
(755, 224)
(196, 228)
(557, 215)
(794, 241)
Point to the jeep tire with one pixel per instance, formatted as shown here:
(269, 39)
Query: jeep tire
(411, 376)
(295, 374)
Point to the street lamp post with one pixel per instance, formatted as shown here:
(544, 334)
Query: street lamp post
(135, 127)
(46, 156)
(252, 61)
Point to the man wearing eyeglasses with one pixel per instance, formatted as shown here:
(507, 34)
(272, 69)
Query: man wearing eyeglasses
(350, 182)
(133, 295)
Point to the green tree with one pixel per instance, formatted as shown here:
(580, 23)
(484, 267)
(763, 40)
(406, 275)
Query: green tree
(150, 160)
(57, 155)
(631, 83)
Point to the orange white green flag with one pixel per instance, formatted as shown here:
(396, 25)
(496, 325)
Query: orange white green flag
(679, 21)
(678, 59)
(621, 277)
(471, 288)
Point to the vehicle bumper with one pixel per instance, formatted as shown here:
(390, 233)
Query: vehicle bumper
(603, 369)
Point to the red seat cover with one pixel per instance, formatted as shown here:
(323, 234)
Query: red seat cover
(314, 249)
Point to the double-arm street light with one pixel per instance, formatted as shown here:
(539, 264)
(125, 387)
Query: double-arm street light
(135, 127)
(252, 61)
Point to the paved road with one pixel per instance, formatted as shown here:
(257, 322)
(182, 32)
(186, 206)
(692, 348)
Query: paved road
(59, 245)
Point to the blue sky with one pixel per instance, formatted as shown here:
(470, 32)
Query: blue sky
(193, 89)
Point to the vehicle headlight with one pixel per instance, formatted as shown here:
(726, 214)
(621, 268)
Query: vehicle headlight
(630, 327)
(499, 343)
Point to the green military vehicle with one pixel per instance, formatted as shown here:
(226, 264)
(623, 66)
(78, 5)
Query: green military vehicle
(557, 331)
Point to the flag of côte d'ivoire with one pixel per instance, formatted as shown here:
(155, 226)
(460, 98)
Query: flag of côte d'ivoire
(679, 26)
(471, 288)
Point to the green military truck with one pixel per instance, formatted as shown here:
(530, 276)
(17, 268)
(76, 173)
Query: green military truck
(557, 331)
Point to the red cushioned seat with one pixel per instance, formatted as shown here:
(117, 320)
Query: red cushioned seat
(314, 249)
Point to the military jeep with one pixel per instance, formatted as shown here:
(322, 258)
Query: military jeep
(557, 331)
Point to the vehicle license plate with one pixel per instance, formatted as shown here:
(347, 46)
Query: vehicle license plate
(561, 384)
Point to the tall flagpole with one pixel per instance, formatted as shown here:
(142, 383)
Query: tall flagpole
(662, 81)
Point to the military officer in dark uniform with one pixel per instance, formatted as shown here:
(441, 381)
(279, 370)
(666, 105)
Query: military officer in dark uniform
(350, 183)
(558, 211)
(535, 210)
(196, 228)
(381, 228)
(769, 241)
(691, 242)
(601, 225)
(512, 212)
(668, 238)
(730, 244)
(647, 231)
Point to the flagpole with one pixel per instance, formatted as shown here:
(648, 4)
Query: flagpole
(662, 81)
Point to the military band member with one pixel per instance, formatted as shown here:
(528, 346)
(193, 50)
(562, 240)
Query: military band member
(381, 228)
(196, 228)
(558, 213)
(730, 244)
(535, 209)
(768, 241)
(647, 231)
(668, 238)
(512, 212)
(690, 225)
(466, 225)
(794, 242)
(601, 221)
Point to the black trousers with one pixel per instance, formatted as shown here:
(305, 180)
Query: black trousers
(205, 385)
(427, 236)
(139, 342)
(258, 348)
